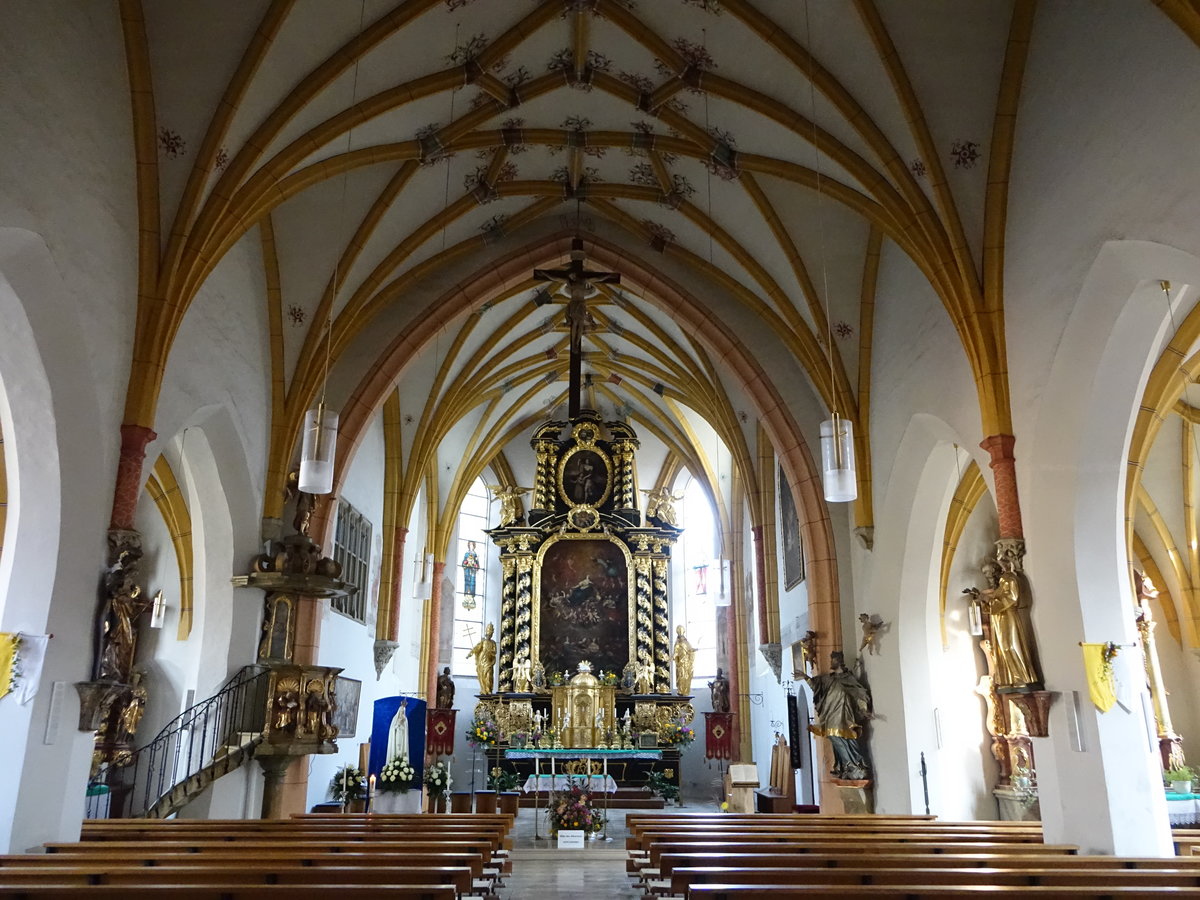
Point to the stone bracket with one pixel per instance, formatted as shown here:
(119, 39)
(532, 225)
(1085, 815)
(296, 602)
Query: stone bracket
(1035, 706)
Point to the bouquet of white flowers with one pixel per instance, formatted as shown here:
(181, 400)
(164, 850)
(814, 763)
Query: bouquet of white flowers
(437, 779)
(397, 776)
(348, 784)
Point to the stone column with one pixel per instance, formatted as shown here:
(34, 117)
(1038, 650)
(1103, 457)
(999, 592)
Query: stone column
(1004, 474)
(435, 628)
(134, 439)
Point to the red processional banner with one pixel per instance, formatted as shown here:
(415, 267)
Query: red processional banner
(439, 732)
(718, 735)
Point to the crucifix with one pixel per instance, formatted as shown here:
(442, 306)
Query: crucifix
(579, 284)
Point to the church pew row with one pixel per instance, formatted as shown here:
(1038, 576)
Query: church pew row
(235, 834)
(670, 862)
(291, 858)
(650, 866)
(150, 890)
(246, 872)
(648, 834)
(933, 892)
(686, 877)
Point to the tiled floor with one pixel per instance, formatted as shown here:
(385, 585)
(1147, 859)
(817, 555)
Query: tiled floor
(542, 871)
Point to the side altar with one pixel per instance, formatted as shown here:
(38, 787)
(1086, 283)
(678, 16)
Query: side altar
(584, 647)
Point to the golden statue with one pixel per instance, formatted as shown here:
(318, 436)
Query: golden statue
(1004, 601)
(660, 504)
(522, 675)
(485, 659)
(684, 655)
(510, 502)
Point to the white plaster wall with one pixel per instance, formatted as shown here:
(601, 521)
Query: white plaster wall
(963, 760)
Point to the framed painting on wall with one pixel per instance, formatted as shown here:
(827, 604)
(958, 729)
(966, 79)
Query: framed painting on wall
(793, 549)
(345, 717)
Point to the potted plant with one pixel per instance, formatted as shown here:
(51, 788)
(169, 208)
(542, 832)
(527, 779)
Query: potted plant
(659, 784)
(1180, 778)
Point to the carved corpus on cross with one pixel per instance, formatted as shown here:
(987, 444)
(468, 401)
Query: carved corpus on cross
(578, 284)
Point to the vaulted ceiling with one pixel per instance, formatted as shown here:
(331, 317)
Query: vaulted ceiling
(403, 166)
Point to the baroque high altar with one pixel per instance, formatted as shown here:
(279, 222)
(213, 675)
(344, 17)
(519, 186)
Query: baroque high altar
(585, 581)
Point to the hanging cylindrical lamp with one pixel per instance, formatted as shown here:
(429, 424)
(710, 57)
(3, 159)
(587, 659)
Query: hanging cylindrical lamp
(317, 449)
(837, 459)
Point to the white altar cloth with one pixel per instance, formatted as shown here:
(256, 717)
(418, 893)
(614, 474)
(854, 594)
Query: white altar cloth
(562, 782)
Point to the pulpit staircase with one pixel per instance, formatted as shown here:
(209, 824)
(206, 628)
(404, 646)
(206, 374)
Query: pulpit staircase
(203, 743)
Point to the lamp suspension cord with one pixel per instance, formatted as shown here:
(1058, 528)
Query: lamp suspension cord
(709, 168)
(333, 290)
(833, 388)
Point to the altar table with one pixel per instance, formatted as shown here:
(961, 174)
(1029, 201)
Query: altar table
(577, 753)
(1183, 809)
(595, 783)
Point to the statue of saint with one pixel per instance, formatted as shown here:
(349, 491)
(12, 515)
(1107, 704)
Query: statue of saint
(445, 690)
(644, 680)
(660, 504)
(397, 745)
(719, 689)
(485, 659)
(522, 675)
(684, 655)
(1005, 600)
(510, 502)
(131, 715)
(841, 703)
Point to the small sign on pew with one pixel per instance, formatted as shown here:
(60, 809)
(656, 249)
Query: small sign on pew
(570, 840)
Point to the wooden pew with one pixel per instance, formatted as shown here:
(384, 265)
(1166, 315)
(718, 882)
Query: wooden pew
(684, 878)
(932, 892)
(246, 873)
(152, 891)
(297, 857)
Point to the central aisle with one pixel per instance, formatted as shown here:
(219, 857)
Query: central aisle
(542, 871)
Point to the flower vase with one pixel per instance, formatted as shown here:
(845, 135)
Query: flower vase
(1181, 787)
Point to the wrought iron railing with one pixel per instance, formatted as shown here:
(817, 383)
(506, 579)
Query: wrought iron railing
(191, 742)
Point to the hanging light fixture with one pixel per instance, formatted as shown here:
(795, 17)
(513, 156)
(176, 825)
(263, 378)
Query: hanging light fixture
(319, 441)
(837, 433)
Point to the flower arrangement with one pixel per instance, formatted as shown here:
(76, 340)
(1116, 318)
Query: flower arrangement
(437, 779)
(397, 776)
(1179, 773)
(483, 733)
(676, 734)
(348, 784)
(556, 679)
(659, 784)
(503, 780)
(608, 678)
(572, 810)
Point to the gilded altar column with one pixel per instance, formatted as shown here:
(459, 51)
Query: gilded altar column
(508, 621)
(524, 630)
(624, 476)
(546, 448)
(643, 598)
(662, 626)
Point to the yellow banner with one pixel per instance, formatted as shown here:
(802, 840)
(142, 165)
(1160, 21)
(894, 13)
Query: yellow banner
(8, 656)
(1098, 667)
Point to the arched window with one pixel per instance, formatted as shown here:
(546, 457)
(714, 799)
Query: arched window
(470, 560)
(696, 606)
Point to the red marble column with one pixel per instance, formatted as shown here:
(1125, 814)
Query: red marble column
(134, 439)
(435, 630)
(760, 583)
(393, 624)
(1004, 473)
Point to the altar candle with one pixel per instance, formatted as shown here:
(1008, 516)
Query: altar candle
(371, 787)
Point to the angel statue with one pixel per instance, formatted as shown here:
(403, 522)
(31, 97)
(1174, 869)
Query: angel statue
(660, 504)
(510, 502)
